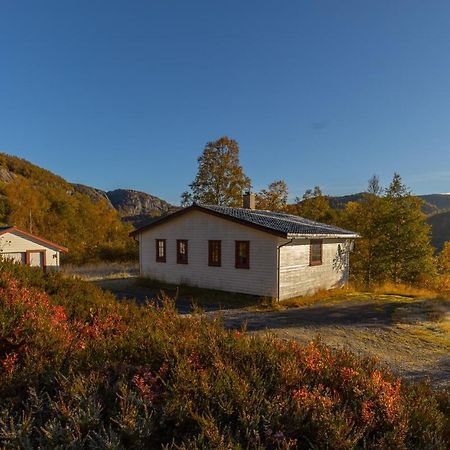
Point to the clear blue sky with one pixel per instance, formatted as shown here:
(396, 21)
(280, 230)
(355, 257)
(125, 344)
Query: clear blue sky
(126, 93)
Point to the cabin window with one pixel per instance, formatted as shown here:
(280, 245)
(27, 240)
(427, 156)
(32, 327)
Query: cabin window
(160, 250)
(214, 253)
(315, 252)
(242, 255)
(182, 251)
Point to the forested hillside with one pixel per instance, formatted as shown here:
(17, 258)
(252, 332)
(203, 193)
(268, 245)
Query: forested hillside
(440, 225)
(45, 204)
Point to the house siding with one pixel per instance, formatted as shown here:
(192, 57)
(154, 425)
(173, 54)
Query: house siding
(298, 277)
(198, 228)
(13, 246)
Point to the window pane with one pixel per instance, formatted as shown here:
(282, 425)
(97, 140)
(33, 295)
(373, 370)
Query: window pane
(214, 248)
(242, 254)
(316, 252)
(182, 251)
(160, 250)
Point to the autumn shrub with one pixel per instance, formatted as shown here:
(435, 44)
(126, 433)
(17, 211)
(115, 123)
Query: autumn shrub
(113, 375)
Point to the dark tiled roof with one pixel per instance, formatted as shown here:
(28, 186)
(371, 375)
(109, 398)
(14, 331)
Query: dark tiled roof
(279, 222)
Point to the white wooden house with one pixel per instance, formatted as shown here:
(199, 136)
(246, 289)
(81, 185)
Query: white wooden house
(244, 250)
(25, 248)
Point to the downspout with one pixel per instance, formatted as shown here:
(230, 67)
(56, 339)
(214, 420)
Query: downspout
(138, 240)
(278, 266)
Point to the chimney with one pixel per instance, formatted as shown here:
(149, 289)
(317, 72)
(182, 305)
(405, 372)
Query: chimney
(249, 200)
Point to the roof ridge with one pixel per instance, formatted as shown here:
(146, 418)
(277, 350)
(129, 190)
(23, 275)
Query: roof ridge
(269, 213)
(279, 216)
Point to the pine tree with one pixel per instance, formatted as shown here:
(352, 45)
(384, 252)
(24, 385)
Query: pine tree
(407, 247)
(395, 238)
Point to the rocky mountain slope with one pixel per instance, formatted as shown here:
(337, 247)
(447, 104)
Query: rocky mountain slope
(94, 194)
(133, 206)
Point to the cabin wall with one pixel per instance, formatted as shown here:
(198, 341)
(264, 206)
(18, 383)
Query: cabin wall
(199, 227)
(14, 247)
(298, 278)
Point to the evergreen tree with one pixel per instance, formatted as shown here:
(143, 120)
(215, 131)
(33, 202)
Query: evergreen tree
(406, 242)
(220, 178)
(366, 217)
(395, 244)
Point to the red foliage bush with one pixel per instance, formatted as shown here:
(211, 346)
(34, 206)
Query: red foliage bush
(115, 375)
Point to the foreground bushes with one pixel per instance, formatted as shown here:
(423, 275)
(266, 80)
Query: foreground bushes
(111, 375)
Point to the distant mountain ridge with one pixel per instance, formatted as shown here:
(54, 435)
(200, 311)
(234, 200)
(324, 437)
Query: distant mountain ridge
(139, 208)
(432, 203)
(132, 206)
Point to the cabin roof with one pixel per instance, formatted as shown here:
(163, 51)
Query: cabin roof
(277, 223)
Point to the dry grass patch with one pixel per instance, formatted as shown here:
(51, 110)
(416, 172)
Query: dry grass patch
(102, 271)
(324, 297)
(381, 294)
(404, 290)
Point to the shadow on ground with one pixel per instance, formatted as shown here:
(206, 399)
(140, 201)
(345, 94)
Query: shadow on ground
(128, 289)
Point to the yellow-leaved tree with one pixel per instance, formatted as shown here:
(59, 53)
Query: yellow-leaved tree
(220, 179)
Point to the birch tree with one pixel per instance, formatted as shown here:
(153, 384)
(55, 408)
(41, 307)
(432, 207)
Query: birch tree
(220, 179)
